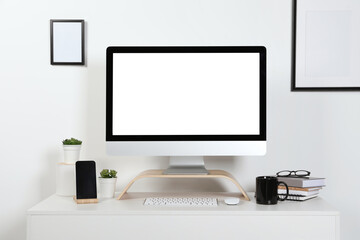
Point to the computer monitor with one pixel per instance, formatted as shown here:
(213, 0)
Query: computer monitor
(186, 103)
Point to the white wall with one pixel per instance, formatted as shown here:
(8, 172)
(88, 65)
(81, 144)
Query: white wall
(43, 104)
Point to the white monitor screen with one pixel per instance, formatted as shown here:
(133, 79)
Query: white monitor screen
(186, 94)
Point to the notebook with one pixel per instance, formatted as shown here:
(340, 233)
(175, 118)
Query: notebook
(302, 181)
(299, 197)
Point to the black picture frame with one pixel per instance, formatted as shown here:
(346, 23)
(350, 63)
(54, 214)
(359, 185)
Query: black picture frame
(294, 88)
(53, 48)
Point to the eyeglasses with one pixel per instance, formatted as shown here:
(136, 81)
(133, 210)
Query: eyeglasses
(297, 173)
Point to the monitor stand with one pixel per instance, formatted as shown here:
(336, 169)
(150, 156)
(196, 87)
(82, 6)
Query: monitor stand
(159, 173)
(186, 166)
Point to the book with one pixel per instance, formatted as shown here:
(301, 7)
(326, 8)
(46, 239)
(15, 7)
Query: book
(297, 192)
(299, 197)
(302, 181)
(308, 189)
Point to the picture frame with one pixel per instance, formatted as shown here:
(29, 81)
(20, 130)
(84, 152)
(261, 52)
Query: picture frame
(67, 42)
(325, 49)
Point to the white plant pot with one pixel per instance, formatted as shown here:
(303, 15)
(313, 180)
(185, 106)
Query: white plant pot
(107, 187)
(71, 153)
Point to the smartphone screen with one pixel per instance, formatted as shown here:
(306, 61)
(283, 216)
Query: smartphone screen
(85, 179)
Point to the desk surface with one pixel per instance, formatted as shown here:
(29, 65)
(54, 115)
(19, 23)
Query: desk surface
(133, 205)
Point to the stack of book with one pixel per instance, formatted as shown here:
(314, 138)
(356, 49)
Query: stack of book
(301, 188)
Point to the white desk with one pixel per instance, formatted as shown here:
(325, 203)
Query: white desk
(60, 218)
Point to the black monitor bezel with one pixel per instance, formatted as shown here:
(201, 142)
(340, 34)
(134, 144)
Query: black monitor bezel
(184, 49)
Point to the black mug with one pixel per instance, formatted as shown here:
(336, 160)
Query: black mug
(267, 190)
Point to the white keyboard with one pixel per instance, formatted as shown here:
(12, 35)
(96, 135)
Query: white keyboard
(181, 201)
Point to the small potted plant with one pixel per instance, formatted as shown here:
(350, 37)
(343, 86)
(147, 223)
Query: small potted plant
(107, 182)
(72, 148)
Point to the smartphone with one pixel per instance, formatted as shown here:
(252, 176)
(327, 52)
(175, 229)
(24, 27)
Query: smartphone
(85, 172)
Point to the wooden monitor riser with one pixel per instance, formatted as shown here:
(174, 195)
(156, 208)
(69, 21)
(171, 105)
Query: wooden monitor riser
(158, 173)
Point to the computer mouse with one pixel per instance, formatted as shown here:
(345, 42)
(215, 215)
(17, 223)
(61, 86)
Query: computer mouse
(232, 201)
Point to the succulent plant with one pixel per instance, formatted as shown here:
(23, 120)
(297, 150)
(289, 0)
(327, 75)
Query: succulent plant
(106, 173)
(71, 141)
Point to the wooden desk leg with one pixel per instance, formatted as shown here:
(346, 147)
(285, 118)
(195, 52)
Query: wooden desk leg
(158, 173)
